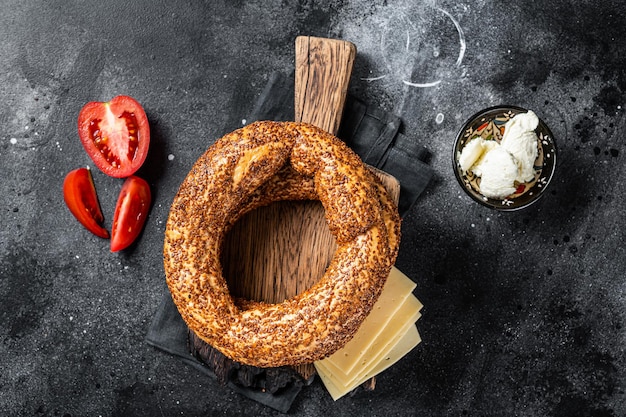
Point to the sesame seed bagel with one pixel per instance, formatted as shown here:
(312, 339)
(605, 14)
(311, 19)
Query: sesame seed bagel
(254, 166)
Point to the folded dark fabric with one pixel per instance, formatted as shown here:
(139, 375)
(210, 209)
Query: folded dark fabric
(168, 332)
(375, 136)
(372, 133)
(276, 101)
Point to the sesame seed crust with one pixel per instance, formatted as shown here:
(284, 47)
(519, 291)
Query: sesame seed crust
(255, 166)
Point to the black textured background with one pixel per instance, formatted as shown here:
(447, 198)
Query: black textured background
(524, 312)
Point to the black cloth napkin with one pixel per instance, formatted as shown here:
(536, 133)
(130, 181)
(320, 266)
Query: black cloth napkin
(169, 333)
(374, 135)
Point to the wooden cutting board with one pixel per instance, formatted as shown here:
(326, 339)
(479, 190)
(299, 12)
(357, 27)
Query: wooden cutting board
(278, 251)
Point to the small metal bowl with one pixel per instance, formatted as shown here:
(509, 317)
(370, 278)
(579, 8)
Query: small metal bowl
(489, 124)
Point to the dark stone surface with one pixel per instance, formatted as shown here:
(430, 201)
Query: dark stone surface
(524, 312)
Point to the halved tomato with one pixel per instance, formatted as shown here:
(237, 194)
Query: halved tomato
(79, 193)
(115, 134)
(131, 212)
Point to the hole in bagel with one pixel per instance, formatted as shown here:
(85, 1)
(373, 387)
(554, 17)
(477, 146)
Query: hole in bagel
(277, 251)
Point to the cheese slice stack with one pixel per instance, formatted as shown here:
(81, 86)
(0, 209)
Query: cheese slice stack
(385, 336)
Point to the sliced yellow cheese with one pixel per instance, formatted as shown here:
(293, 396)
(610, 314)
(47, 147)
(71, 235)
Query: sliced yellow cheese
(402, 320)
(386, 335)
(336, 389)
(396, 290)
(410, 339)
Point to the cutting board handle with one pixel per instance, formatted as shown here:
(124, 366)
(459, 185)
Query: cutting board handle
(323, 70)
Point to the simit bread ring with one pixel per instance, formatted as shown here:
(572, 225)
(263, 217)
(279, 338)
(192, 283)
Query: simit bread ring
(254, 166)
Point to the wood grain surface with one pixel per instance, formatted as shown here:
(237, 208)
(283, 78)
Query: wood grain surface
(323, 69)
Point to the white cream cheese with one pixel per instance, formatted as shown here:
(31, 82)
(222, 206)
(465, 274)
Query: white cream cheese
(497, 170)
(473, 151)
(500, 165)
(520, 140)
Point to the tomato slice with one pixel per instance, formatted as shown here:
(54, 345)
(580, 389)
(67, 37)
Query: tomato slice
(115, 134)
(79, 193)
(131, 212)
